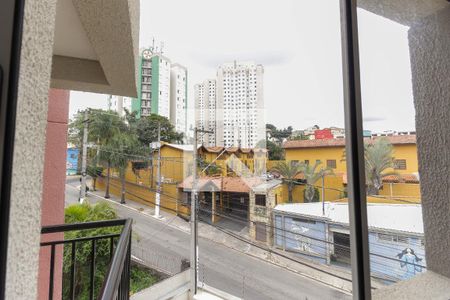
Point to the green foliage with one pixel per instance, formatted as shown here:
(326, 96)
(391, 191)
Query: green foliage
(311, 176)
(378, 158)
(141, 278)
(147, 130)
(315, 197)
(289, 170)
(276, 152)
(212, 169)
(78, 213)
(279, 134)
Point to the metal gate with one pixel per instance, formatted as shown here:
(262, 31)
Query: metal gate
(261, 233)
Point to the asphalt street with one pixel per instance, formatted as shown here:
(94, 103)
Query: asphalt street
(220, 267)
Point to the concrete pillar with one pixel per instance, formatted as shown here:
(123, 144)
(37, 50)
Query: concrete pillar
(429, 41)
(54, 187)
(29, 149)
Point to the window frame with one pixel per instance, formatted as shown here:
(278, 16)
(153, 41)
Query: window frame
(258, 200)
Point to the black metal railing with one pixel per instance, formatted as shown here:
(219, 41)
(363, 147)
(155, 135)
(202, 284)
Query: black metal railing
(116, 281)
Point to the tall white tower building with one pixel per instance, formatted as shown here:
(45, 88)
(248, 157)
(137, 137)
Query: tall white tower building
(232, 106)
(178, 97)
(240, 101)
(205, 111)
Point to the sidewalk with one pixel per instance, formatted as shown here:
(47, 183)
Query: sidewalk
(329, 275)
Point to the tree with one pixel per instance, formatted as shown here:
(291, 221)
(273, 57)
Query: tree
(94, 172)
(85, 212)
(125, 146)
(311, 176)
(289, 170)
(147, 130)
(104, 125)
(378, 158)
(275, 152)
(211, 169)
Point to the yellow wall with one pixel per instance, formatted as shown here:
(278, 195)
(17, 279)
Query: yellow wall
(145, 195)
(408, 152)
(323, 154)
(405, 190)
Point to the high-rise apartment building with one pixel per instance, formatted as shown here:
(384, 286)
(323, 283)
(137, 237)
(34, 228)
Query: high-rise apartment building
(205, 111)
(162, 89)
(233, 107)
(178, 97)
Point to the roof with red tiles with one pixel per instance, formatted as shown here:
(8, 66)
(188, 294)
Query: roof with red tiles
(224, 184)
(395, 140)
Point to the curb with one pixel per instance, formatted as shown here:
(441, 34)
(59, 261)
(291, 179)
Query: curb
(162, 220)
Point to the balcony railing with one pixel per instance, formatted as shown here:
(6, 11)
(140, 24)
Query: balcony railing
(116, 282)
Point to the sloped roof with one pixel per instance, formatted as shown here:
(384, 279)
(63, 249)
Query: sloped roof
(395, 217)
(320, 143)
(224, 184)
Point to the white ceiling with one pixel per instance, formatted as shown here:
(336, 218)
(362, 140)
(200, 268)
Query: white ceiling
(70, 37)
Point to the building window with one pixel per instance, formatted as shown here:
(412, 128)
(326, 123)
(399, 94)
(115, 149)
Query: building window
(400, 164)
(260, 200)
(306, 161)
(331, 163)
(294, 162)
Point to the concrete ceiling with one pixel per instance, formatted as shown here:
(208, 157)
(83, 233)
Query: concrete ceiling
(70, 37)
(406, 12)
(96, 46)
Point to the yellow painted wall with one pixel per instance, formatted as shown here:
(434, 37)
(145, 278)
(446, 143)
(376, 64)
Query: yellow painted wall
(408, 152)
(143, 194)
(323, 154)
(405, 190)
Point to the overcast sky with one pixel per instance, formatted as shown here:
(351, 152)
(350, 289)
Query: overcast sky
(298, 43)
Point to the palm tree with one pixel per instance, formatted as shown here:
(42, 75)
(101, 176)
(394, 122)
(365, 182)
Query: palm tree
(103, 126)
(378, 159)
(126, 146)
(311, 176)
(289, 170)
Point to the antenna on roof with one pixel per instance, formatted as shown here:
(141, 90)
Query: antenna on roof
(161, 46)
(153, 44)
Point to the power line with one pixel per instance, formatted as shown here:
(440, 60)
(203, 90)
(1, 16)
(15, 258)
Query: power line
(178, 201)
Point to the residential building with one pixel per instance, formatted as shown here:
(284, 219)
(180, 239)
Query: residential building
(323, 134)
(330, 152)
(33, 59)
(206, 113)
(162, 88)
(262, 199)
(234, 108)
(178, 97)
(321, 232)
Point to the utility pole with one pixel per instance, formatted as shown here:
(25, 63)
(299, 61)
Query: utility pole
(158, 175)
(323, 193)
(84, 157)
(194, 216)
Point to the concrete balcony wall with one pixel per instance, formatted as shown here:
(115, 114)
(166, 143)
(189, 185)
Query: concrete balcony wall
(106, 44)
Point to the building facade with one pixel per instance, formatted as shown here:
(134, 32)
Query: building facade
(321, 233)
(206, 111)
(162, 89)
(240, 104)
(232, 106)
(178, 97)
